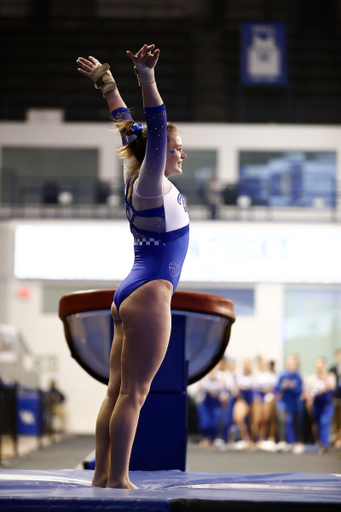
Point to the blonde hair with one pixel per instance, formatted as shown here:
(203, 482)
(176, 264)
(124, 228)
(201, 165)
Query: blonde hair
(135, 151)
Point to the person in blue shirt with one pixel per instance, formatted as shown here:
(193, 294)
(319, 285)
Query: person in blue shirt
(209, 407)
(289, 389)
(159, 222)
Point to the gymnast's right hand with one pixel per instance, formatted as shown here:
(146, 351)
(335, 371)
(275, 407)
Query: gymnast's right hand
(94, 69)
(99, 73)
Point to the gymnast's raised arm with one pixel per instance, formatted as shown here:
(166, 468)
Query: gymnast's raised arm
(144, 62)
(150, 148)
(101, 76)
(149, 158)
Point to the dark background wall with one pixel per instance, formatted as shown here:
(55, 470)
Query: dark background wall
(199, 68)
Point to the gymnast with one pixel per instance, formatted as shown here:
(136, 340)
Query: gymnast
(159, 222)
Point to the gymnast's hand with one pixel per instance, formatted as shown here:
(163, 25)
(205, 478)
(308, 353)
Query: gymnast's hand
(144, 63)
(90, 67)
(144, 58)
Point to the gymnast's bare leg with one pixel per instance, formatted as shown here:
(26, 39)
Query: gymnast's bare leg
(102, 464)
(145, 344)
(138, 350)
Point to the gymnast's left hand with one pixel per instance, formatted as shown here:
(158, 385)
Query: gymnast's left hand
(146, 58)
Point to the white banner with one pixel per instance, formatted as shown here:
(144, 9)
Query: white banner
(225, 252)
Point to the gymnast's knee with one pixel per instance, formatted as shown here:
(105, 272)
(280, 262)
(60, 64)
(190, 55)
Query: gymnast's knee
(113, 389)
(136, 396)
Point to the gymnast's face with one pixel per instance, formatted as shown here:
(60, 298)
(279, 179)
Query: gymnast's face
(291, 364)
(247, 365)
(320, 366)
(175, 155)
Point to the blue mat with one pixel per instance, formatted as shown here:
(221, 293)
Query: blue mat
(163, 491)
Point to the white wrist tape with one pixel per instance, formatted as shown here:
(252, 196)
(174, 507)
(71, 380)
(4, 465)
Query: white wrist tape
(145, 76)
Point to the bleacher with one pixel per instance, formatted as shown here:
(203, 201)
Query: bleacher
(199, 73)
(39, 63)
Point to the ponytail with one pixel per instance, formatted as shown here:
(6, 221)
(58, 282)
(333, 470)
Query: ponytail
(135, 151)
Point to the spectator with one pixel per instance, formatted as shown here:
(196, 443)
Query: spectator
(321, 387)
(244, 399)
(213, 195)
(209, 408)
(230, 194)
(227, 398)
(273, 418)
(50, 192)
(289, 389)
(336, 370)
(264, 398)
(57, 400)
(102, 192)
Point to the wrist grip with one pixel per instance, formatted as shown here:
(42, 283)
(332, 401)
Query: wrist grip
(145, 76)
(103, 78)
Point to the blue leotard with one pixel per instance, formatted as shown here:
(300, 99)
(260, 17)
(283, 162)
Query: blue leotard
(161, 233)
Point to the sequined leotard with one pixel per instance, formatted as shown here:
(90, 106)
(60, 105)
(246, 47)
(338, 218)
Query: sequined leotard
(161, 227)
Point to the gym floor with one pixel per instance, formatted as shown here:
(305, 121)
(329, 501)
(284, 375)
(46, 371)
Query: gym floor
(70, 451)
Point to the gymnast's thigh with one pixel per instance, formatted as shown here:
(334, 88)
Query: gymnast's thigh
(146, 317)
(148, 296)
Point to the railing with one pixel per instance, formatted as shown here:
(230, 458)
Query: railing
(240, 211)
(88, 197)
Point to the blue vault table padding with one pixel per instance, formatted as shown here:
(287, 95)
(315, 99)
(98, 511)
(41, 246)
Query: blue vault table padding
(172, 375)
(168, 491)
(161, 436)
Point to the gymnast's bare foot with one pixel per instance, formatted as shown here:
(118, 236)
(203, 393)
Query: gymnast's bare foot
(100, 482)
(122, 485)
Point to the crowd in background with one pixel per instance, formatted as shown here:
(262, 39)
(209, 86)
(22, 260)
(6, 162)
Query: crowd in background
(254, 407)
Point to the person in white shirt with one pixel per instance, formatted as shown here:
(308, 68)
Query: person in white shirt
(244, 400)
(265, 383)
(209, 408)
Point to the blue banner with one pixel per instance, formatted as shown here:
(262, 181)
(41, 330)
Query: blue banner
(263, 54)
